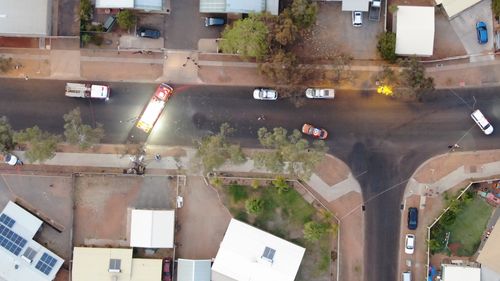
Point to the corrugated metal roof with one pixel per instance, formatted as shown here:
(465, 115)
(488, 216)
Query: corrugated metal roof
(193, 270)
(239, 6)
(17, 19)
(213, 6)
(415, 30)
(149, 5)
(152, 229)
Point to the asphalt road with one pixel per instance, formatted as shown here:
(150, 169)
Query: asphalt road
(382, 140)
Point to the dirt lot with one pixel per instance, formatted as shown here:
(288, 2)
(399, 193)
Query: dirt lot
(203, 221)
(48, 195)
(106, 200)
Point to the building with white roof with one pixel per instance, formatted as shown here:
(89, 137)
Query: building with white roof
(22, 258)
(16, 19)
(152, 229)
(248, 253)
(239, 6)
(455, 7)
(193, 270)
(489, 257)
(147, 5)
(415, 31)
(451, 272)
(113, 264)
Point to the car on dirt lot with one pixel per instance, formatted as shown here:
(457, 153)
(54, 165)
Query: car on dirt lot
(148, 33)
(265, 94)
(409, 244)
(482, 32)
(314, 132)
(314, 93)
(166, 274)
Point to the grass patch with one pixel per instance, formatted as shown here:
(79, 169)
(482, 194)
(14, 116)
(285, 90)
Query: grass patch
(238, 192)
(469, 226)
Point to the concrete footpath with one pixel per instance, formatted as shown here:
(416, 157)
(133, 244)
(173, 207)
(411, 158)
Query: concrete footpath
(192, 67)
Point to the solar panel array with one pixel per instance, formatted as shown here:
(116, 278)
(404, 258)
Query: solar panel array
(11, 241)
(46, 263)
(8, 221)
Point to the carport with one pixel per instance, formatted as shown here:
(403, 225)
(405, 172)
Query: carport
(454, 7)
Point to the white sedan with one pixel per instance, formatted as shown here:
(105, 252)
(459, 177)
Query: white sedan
(313, 93)
(265, 94)
(410, 244)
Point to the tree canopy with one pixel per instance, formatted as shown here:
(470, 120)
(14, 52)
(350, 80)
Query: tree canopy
(290, 153)
(215, 150)
(41, 144)
(247, 37)
(126, 19)
(386, 46)
(6, 135)
(81, 134)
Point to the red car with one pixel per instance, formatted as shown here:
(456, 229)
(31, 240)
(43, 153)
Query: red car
(317, 133)
(166, 274)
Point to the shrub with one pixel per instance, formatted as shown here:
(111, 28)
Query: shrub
(254, 206)
(387, 46)
(238, 192)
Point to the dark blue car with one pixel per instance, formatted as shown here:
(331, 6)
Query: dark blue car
(412, 218)
(482, 32)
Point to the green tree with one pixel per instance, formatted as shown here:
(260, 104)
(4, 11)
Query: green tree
(85, 10)
(285, 31)
(288, 152)
(81, 134)
(215, 150)
(41, 145)
(86, 38)
(304, 13)
(254, 205)
(386, 46)
(126, 19)
(6, 135)
(313, 231)
(281, 184)
(247, 37)
(495, 6)
(413, 81)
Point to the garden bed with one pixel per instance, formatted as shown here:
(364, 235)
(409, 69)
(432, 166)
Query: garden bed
(283, 212)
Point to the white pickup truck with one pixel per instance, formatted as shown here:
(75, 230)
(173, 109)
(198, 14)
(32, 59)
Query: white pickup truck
(80, 90)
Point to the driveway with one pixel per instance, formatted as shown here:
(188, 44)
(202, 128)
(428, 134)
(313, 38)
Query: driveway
(184, 26)
(203, 221)
(334, 33)
(465, 27)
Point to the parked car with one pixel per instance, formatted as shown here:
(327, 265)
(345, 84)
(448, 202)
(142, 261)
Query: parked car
(167, 270)
(357, 18)
(482, 122)
(412, 218)
(482, 32)
(318, 133)
(211, 21)
(409, 244)
(313, 93)
(148, 33)
(265, 94)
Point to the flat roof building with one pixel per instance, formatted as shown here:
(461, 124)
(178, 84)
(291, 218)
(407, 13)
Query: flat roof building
(415, 31)
(147, 5)
(28, 18)
(152, 229)
(22, 258)
(451, 272)
(113, 264)
(239, 6)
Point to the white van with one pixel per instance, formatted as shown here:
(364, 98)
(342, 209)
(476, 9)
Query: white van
(482, 122)
(407, 276)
